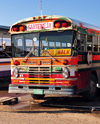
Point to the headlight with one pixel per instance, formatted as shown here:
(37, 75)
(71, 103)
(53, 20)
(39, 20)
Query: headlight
(65, 72)
(16, 72)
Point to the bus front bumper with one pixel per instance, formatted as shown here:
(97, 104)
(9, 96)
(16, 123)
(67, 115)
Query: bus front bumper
(40, 90)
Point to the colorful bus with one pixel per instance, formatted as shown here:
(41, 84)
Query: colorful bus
(55, 55)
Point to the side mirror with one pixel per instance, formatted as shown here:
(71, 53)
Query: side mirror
(4, 45)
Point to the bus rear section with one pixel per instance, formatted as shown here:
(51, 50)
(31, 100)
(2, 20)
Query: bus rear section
(5, 72)
(5, 61)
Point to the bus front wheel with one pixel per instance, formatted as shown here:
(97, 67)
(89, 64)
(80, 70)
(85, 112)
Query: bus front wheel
(90, 95)
(37, 96)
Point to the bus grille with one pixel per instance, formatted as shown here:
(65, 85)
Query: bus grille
(39, 72)
(38, 69)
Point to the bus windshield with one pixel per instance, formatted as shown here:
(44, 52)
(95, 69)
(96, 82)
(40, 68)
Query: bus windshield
(22, 44)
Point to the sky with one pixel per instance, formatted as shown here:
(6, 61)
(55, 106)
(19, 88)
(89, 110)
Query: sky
(12, 11)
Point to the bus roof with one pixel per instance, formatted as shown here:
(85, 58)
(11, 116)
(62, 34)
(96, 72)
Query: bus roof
(82, 27)
(4, 27)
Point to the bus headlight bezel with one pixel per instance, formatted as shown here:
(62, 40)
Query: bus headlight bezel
(65, 72)
(16, 72)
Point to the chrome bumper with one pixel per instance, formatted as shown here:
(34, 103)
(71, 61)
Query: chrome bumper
(47, 89)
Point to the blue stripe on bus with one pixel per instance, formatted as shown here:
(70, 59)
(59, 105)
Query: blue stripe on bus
(5, 62)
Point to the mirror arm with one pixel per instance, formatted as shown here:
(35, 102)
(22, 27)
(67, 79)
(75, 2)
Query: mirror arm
(2, 40)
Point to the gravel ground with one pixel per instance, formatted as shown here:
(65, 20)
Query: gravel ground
(53, 117)
(41, 115)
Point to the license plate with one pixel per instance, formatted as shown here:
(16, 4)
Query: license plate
(38, 91)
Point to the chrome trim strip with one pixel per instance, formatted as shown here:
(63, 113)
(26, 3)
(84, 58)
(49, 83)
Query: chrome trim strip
(43, 65)
(36, 71)
(67, 79)
(47, 57)
(18, 78)
(86, 66)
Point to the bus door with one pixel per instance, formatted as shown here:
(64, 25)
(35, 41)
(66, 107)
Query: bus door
(86, 46)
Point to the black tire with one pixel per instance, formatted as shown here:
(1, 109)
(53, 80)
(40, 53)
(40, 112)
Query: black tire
(90, 95)
(37, 96)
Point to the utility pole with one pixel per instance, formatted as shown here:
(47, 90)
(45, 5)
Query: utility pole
(41, 6)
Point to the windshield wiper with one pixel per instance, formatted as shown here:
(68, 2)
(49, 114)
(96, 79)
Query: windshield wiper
(45, 51)
(26, 57)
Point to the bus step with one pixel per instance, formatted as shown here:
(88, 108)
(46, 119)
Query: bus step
(8, 100)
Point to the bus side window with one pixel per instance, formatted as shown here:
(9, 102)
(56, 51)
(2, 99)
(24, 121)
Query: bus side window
(99, 44)
(95, 43)
(58, 45)
(79, 40)
(83, 42)
(63, 45)
(89, 42)
(51, 44)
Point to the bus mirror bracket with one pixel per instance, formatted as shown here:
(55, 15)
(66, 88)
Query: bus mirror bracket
(3, 43)
(77, 44)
